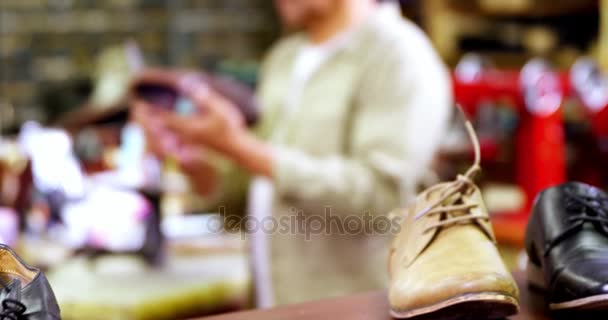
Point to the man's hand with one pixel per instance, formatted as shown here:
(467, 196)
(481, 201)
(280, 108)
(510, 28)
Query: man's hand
(159, 139)
(219, 125)
(201, 173)
(163, 143)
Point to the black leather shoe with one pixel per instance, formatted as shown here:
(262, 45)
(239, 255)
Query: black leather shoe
(25, 294)
(567, 246)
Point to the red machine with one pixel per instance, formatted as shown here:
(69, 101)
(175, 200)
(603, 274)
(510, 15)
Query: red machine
(590, 86)
(536, 94)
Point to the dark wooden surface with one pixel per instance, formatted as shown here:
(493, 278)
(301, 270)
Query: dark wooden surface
(374, 306)
(89, 115)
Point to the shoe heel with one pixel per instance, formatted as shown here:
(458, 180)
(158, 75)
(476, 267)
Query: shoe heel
(536, 278)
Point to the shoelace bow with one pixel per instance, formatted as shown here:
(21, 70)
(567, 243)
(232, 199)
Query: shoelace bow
(589, 209)
(452, 194)
(12, 309)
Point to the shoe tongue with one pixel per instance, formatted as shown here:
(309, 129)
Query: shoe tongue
(560, 205)
(418, 240)
(586, 190)
(414, 235)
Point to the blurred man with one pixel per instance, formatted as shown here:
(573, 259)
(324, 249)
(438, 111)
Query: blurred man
(354, 103)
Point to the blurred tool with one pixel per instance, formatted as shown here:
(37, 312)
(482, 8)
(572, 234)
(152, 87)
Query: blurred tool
(165, 89)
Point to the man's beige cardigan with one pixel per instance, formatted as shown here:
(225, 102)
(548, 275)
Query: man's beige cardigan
(366, 127)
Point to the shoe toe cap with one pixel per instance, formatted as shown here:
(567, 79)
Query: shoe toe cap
(581, 279)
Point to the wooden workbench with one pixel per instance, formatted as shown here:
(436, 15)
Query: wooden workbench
(199, 277)
(374, 306)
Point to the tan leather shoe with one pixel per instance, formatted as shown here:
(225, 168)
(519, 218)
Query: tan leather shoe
(444, 262)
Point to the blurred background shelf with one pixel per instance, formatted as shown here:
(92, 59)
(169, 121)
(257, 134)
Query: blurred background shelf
(47, 42)
(558, 30)
(523, 8)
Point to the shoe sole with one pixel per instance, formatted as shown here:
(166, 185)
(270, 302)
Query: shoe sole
(591, 303)
(469, 306)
